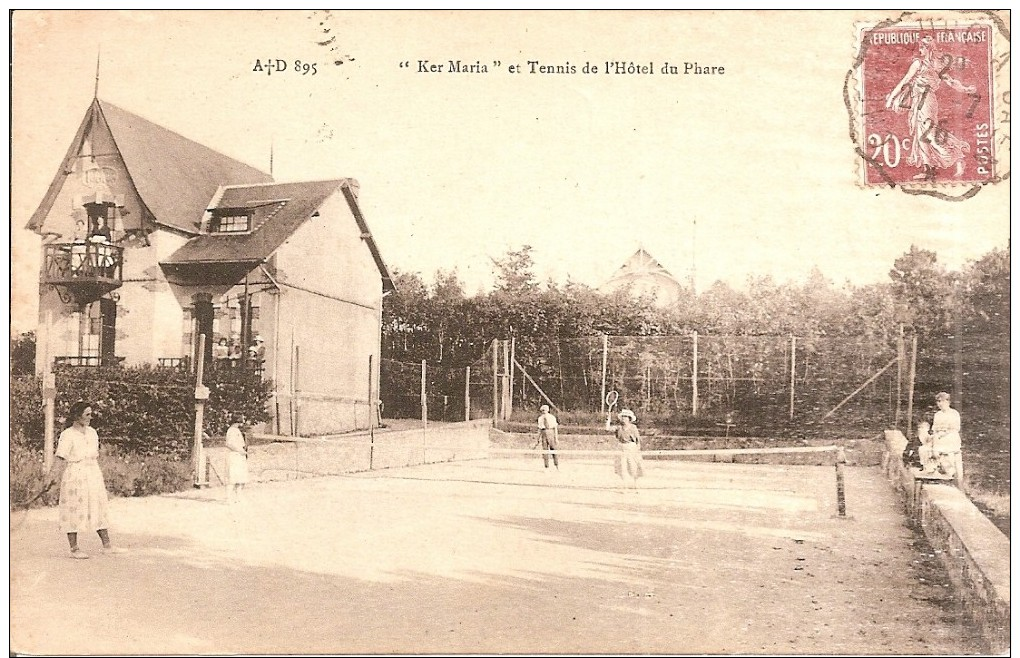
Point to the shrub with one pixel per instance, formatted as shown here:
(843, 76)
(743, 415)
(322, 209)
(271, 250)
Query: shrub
(26, 476)
(127, 474)
(143, 409)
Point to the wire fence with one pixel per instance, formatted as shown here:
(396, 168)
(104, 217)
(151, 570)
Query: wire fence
(750, 381)
(408, 389)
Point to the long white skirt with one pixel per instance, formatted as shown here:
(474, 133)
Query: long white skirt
(83, 499)
(237, 468)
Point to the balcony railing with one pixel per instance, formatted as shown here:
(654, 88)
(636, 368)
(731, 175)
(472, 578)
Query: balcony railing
(90, 263)
(89, 361)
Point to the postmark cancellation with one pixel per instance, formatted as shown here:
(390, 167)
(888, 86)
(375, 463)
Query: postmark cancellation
(928, 99)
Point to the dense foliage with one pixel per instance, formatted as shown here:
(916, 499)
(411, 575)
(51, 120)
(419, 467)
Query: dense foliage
(145, 410)
(844, 333)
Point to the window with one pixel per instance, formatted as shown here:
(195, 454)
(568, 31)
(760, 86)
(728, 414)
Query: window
(230, 222)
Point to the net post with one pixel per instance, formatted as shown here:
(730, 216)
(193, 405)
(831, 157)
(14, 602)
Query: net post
(840, 482)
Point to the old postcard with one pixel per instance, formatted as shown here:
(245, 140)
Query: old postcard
(509, 332)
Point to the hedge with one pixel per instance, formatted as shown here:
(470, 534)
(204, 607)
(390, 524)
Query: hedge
(144, 409)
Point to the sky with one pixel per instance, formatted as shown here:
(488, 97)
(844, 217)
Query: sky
(745, 174)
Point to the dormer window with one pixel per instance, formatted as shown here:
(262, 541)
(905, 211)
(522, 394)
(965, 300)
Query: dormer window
(230, 221)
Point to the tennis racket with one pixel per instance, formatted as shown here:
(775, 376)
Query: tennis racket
(611, 399)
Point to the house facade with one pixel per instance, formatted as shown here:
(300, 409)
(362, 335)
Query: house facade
(151, 240)
(645, 276)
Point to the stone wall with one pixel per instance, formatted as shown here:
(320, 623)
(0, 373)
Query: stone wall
(974, 552)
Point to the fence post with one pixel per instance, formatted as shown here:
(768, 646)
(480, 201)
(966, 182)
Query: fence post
(605, 358)
(49, 391)
(201, 395)
(910, 392)
(694, 378)
(513, 355)
(467, 393)
(424, 398)
(504, 382)
(495, 381)
(793, 372)
(901, 356)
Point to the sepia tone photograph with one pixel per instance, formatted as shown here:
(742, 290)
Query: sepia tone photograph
(509, 332)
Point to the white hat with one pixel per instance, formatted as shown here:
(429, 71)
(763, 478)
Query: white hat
(544, 408)
(628, 414)
(258, 339)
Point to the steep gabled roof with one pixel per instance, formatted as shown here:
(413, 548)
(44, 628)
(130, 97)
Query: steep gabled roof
(278, 209)
(641, 264)
(174, 176)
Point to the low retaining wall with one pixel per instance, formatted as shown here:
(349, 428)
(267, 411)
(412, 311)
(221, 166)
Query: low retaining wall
(973, 550)
(289, 458)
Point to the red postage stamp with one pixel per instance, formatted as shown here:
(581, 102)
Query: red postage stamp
(927, 104)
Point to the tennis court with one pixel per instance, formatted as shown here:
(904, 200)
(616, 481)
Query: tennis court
(494, 556)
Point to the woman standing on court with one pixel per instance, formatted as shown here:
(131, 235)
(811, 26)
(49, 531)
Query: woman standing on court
(629, 461)
(83, 500)
(237, 458)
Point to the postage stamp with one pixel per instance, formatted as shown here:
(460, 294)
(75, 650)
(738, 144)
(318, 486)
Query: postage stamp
(927, 113)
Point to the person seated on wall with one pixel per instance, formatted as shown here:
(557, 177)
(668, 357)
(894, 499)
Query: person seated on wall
(925, 450)
(945, 431)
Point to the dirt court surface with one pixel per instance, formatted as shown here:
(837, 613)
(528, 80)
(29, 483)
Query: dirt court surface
(494, 556)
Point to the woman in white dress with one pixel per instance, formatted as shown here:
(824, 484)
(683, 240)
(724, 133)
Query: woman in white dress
(237, 459)
(83, 500)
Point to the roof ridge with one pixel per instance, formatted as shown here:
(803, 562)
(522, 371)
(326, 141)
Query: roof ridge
(103, 103)
(338, 181)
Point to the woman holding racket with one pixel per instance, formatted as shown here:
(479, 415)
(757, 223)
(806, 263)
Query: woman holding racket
(629, 461)
(83, 500)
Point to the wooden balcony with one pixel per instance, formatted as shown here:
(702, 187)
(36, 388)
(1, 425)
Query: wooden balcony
(86, 270)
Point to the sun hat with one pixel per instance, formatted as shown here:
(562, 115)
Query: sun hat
(628, 414)
(544, 407)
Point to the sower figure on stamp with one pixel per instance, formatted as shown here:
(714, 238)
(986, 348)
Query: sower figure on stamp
(548, 435)
(933, 147)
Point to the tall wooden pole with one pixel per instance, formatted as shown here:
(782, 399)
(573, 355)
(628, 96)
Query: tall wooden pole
(371, 417)
(958, 360)
(467, 393)
(49, 390)
(504, 381)
(694, 378)
(793, 372)
(495, 380)
(910, 383)
(513, 356)
(201, 395)
(605, 359)
(901, 356)
(424, 398)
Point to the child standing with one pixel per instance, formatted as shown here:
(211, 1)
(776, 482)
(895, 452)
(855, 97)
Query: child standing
(237, 459)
